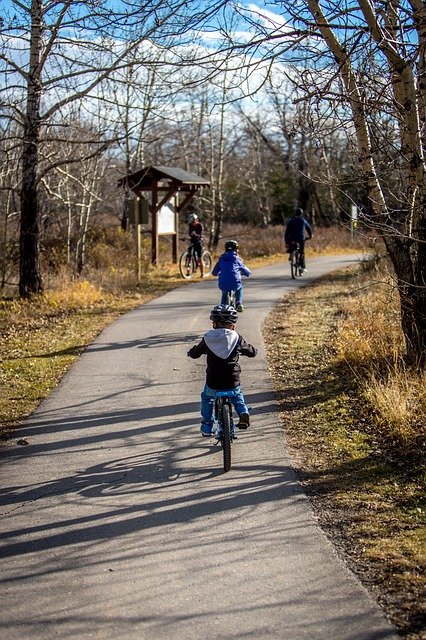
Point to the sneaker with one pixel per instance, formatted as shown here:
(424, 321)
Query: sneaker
(244, 422)
(240, 308)
(206, 430)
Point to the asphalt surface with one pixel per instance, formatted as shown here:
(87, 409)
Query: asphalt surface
(117, 521)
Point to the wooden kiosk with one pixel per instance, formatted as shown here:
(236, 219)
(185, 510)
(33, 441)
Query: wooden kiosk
(158, 185)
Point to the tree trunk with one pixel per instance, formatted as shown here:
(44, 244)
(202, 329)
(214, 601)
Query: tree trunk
(405, 240)
(30, 281)
(409, 262)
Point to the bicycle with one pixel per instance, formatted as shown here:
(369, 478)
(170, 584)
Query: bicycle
(230, 298)
(225, 429)
(294, 258)
(188, 263)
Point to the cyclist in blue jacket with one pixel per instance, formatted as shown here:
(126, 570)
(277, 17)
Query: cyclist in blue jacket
(229, 268)
(297, 230)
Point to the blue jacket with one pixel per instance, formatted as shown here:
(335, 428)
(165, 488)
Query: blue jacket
(296, 228)
(229, 268)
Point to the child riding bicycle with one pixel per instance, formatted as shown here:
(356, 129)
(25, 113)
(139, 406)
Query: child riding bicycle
(229, 268)
(223, 346)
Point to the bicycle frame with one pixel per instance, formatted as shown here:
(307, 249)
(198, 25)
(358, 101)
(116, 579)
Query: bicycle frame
(230, 298)
(191, 253)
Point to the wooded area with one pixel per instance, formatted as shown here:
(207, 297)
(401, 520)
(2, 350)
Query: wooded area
(314, 105)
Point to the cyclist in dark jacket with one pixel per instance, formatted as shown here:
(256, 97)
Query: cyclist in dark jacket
(223, 346)
(297, 230)
(195, 233)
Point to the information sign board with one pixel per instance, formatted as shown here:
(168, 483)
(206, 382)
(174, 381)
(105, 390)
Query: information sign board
(166, 220)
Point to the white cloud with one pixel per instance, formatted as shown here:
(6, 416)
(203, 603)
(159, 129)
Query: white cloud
(270, 20)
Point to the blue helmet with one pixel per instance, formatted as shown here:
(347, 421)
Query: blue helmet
(224, 314)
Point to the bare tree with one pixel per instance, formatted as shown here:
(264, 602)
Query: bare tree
(9, 204)
(57, 53)
(74, 190)
(367, 61)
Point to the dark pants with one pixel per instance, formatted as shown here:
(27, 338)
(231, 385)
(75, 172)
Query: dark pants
(198, 249)
(301, 244)
(302, 253)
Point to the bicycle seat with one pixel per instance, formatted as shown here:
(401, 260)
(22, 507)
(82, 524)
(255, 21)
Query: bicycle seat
(228, 393)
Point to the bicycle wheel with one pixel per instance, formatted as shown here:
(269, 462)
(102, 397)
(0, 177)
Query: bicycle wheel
(226, 437)
(207, 262)
(230, 298)
(186, 265)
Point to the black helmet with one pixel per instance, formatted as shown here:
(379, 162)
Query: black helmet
(231, 245)
(298, 212)
(224, 314)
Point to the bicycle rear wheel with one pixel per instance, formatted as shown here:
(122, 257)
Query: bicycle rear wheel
(187, 265)
(226, 437)
(230, 298)
(207, 262)
(293, 264)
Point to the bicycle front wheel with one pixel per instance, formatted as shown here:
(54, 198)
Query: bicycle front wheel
(186, 265)
(226, 437)
(207, 262)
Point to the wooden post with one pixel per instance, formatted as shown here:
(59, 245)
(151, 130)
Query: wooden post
(138, 228)
(154, 225)
(175, 245)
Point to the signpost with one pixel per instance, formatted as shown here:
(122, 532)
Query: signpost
(354, 219)
(138, 214)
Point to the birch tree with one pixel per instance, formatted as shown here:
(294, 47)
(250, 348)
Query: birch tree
(368, 62)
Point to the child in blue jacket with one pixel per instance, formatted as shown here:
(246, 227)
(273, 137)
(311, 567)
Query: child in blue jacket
(229, 268)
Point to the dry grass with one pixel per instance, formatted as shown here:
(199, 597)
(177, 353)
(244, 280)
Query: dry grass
(370, 331)
(369, 340)
(260, 242)
(399, 405)
(359, 457)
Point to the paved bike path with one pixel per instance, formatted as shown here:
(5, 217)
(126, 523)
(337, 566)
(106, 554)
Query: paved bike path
(117, 521)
